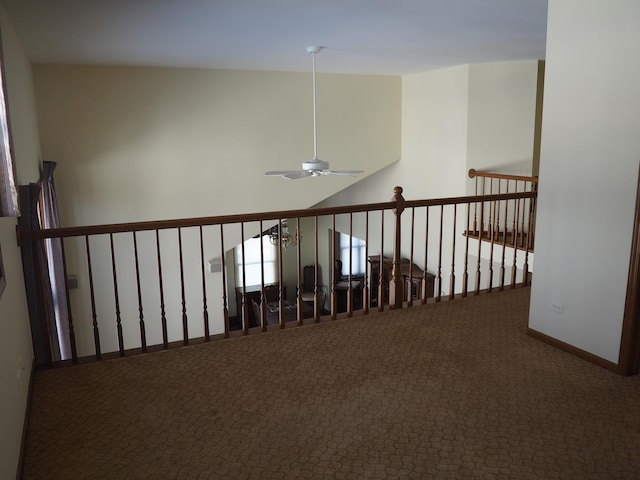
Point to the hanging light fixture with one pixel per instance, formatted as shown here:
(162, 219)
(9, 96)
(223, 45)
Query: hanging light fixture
(282, 236)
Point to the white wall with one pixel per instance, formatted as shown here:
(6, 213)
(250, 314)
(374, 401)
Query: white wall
(479, 116)
(588, 172)
(137, 144)
(15, 335)
(502, 107)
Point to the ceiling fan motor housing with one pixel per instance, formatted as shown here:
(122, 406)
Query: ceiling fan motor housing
(314, 165)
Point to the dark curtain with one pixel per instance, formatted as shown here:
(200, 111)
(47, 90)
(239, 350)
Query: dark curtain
(36, 280)
(44, 271)
(49, 219)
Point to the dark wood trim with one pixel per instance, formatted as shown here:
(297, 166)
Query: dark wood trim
(629, 359)
(537, 130)
(226, 219)
(473, 173)
(578, 352)
(25, 424)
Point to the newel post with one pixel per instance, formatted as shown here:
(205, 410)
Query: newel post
(396, 286)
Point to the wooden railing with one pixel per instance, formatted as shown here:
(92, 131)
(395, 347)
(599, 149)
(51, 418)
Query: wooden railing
(496, 224)
(144, 286)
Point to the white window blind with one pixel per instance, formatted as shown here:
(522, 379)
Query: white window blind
(358, 260)
(251, 265)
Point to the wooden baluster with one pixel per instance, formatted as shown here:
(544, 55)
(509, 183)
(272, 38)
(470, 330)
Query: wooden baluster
(497, 212)
(332, 256)
(532, 216)
(143, 333)
(244, 313)
(350, 277)
(515, 245)
(185, 324)
(281, 298)
(523, 232)
(205, 312)
(225, 303)
(94, 315)
(263, 293)
(439, 273)
(452, 281)
(116, 298)
(489, 221)
(525, 267)
(381, 293)
(478, 266)
(72, 335)
(465, 274)
(514, 226)
(299, 268)
(491, 249)
(396, 285)
(426, 257)
(504, 242)
(365, 288)
(475, 210)
(316, 280)
(163, 316)
(409, 285)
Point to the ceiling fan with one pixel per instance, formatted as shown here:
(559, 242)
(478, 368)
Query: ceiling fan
(314, 167)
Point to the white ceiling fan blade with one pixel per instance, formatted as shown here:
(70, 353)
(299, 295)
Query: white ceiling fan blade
(349, 173)
(289, 174)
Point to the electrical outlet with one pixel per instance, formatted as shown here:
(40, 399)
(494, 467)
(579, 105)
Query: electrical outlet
(556, 306)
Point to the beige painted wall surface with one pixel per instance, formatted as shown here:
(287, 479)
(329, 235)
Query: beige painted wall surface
(434, 146)
(588, 172)
(15, 336)
(138, 144)
(478, 116)
(502, 108)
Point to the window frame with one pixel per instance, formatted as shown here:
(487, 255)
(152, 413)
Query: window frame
(9, 205)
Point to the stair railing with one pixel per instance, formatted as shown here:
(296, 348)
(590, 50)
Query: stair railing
(492, 224)
(146, 286)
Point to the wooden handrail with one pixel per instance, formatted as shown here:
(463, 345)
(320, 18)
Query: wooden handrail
(65, 232)
(502, 176)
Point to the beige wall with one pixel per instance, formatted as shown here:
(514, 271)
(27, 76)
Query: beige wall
(137, 144)
(475, 116)
(15, 337)
(588, 172)
(502, 108)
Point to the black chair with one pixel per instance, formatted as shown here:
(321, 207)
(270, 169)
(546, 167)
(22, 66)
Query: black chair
(307, 293)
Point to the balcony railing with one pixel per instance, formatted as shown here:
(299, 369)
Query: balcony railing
(140, 287)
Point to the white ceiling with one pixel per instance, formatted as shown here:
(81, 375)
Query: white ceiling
(389, 37)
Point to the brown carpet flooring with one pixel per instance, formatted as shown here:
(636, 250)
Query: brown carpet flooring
(445, 391)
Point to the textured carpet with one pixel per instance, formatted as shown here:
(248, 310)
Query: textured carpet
(454, 390)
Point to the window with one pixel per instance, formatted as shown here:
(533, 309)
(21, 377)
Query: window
(358, 260)
(8, 190)
(251, 266)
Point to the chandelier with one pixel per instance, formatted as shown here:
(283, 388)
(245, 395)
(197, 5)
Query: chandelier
(283, 237)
